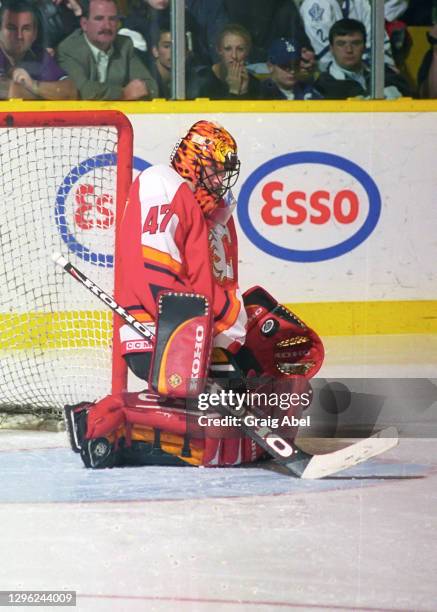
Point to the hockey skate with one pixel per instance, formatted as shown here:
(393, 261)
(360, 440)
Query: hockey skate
(75, 417)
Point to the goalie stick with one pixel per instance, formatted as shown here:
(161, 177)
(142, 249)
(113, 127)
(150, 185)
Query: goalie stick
(307, 465)
(296, 461)
(104, 297)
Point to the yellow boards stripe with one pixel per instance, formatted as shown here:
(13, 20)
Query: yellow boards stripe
(49, 330)
(365, 318)
(93, 328)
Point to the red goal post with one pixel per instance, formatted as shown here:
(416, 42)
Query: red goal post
(65, 177)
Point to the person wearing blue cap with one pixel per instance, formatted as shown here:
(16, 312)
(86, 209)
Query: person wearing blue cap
(286, 81)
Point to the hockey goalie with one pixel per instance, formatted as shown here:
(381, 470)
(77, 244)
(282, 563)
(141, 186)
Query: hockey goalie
(179, 267)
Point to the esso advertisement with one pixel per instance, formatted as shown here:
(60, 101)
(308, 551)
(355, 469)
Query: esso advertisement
(308, 206)
(85, 208)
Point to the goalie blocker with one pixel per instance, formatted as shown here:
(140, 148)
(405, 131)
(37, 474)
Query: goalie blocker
(148, 428)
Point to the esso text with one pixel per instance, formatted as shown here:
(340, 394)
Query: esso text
(296, 207)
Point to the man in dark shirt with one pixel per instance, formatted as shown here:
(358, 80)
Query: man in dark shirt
(26, 69)
(347, 76)
(161, 67)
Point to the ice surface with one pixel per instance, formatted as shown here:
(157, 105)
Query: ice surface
(170, 539)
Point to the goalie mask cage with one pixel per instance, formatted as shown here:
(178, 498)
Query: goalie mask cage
(64, 183)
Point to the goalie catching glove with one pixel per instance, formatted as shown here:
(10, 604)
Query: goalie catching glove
(278, 342)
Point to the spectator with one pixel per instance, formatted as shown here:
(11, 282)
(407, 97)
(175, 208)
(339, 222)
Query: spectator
(347, 76)
(320, 15)
(59, 19)
(427, 76)
(160, 66)
(400, 39)
(204, 19)
(229, 78)
(147, 18)
(267, 21)
(26, 69)
(102, 63)
(285, 81)
(393, 9)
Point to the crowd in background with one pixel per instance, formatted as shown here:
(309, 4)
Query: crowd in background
(235, 49)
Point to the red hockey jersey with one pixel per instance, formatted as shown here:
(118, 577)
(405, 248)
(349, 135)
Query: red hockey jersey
(166, 243)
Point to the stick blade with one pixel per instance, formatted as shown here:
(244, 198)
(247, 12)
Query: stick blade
(331, 463)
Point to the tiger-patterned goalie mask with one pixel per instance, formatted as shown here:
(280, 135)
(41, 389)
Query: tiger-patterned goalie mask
(207, 156)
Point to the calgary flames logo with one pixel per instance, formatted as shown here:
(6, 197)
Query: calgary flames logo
(174, 380)
(221, 254)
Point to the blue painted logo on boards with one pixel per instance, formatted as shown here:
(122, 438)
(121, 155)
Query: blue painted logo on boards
(77, 173)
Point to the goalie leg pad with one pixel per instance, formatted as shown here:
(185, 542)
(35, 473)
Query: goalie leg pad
(183, 344)
(281, 343)
(105, 417)
(160, 431)
(182, 439)
(145, 429)
(220, 452)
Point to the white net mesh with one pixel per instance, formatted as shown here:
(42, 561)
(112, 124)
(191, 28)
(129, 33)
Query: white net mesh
(57, 194)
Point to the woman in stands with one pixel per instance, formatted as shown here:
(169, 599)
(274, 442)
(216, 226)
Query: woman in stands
(229, 78)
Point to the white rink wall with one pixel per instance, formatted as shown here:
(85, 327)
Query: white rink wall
(333, 207)
(336, 208)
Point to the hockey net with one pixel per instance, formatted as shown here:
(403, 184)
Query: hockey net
(63, 186)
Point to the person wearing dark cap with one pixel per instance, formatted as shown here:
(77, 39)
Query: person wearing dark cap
(286, 81)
